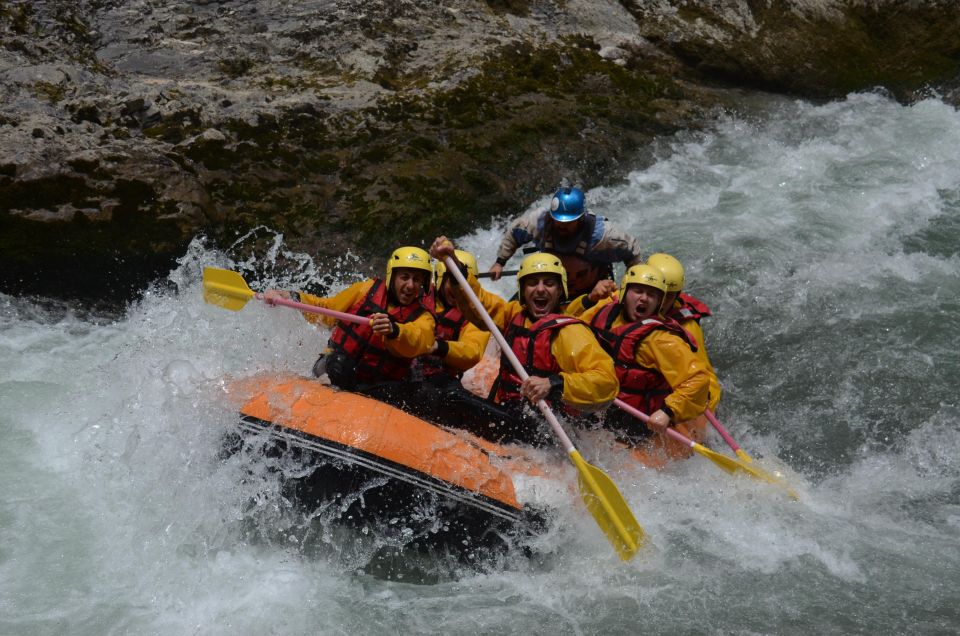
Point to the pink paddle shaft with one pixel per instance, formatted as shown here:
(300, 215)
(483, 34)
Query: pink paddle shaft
(675, 434)
(723, 432)
(313, 309)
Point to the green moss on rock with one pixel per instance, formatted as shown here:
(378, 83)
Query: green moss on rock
(424, 162)
(414, 165)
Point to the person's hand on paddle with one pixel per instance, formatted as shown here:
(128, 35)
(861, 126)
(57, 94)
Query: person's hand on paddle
(496, 271)
(659, 420)
(601, 290)
(441, 248)
(535, 388)
(383, 325)
(271, 295)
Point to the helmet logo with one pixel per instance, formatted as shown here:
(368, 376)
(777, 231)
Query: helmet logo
(555, 204)
(409, 257)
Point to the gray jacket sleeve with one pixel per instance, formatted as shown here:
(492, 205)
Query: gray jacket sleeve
(521, 231)
(615, 245)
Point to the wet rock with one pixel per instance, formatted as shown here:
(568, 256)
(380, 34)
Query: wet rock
(809, 47)
(128, 128)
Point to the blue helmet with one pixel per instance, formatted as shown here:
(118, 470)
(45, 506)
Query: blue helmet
(567, 204)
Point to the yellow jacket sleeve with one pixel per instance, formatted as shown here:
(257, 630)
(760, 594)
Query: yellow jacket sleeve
(671, 355)
(500, 310)
(341, 302)
(415, 338)
(589, 380)
(586, 315)
(576, 307)
(693, 327)
(467, 350)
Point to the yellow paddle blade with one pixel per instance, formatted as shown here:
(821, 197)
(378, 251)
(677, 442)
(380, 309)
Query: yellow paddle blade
(742, 454)
(729, 464)
(226, 289)
(732, 465)
(608, 508)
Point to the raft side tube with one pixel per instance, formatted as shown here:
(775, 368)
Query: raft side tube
(358, 428)
(356, 457)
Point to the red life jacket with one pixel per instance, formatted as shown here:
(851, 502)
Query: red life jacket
(532, 348)
(690, 309)
(449, 322)
(642, 388)
(374, 362)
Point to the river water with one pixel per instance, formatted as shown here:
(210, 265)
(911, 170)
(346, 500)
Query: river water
(824, 237)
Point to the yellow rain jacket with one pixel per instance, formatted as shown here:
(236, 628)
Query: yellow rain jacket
(580, 304)
(467, 350)
(415, 337)
(589, 380)
(694, 329)
(669, 354)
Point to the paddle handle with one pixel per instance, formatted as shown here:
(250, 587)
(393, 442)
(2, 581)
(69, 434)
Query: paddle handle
(509, 272)
(507, 351)
(723, 431)
(313, 309)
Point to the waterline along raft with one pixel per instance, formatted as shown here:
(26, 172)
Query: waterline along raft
(441, 487)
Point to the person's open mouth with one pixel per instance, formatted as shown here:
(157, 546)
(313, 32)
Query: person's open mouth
(540, 305)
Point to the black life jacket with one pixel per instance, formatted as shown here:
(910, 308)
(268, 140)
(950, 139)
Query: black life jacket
(582, 245)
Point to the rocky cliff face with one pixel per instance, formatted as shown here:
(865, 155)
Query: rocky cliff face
(127, 127)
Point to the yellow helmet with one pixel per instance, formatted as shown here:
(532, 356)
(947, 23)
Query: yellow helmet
(412, 257)
(643, 275)
(541, 263)
(464, 257)
(671, 269)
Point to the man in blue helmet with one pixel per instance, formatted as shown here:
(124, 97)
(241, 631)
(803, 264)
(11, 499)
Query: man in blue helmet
(587, 244)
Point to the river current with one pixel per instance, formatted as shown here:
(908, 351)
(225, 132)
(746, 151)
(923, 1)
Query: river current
(825, 238)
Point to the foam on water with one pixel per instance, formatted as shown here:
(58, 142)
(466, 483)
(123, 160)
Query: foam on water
(823, 236)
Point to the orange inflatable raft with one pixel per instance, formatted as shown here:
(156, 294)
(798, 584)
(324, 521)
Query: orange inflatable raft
(380, 465)
(448, 487)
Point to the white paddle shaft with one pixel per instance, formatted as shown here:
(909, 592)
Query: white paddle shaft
(511, 356)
